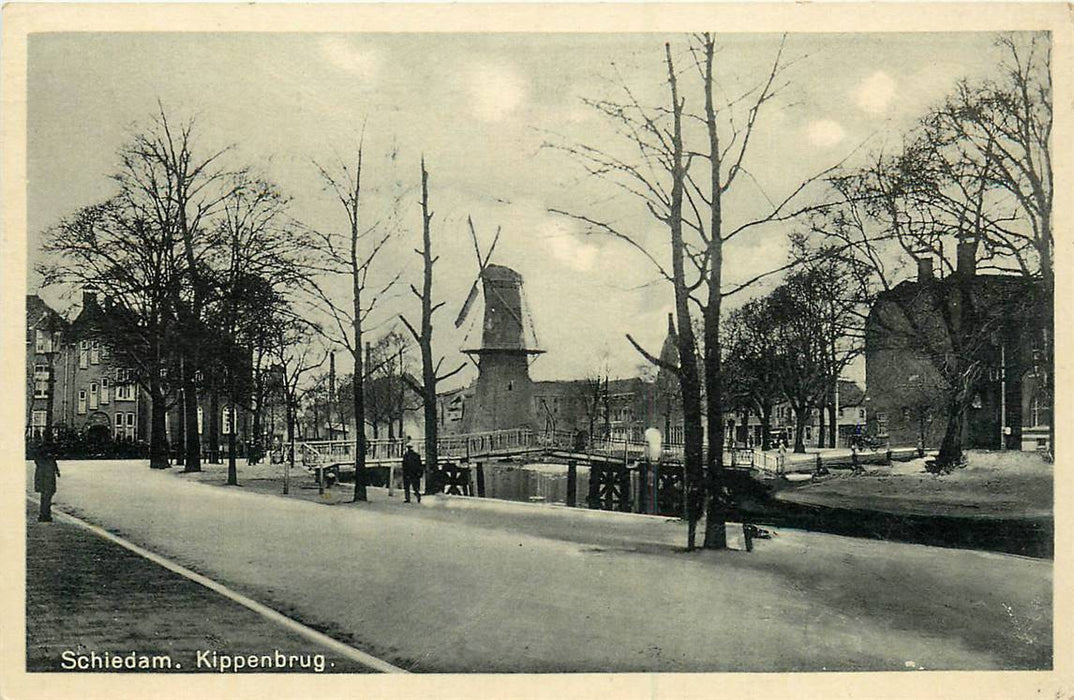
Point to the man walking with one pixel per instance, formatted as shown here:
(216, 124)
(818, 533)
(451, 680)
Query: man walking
(412, 468)
(45, 472)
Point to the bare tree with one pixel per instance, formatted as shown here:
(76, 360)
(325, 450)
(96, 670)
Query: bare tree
(691, 203)
(352, 257)
(178, 190)
(430, 369)
(296, 354)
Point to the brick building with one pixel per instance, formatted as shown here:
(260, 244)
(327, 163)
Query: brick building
(1003, 334)
(78, 384)
(80, 387)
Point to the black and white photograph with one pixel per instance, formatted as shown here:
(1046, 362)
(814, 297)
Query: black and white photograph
(549, 351)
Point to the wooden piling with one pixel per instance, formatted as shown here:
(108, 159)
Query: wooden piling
(572, 484)
(480, 480)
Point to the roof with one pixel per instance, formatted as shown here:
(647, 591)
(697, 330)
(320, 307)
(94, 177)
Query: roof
(988, 289)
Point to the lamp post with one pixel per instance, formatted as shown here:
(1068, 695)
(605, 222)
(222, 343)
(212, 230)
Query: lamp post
(653, 447)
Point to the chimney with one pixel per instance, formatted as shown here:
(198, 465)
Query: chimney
(89, 297)
(924, 270)
(966, 261)
(671, 324)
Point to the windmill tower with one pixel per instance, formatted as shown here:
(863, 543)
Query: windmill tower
(503, 393)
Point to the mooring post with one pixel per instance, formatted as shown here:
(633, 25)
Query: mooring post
(572, 484)
(593, 495)
(480, 480)
(643, 486)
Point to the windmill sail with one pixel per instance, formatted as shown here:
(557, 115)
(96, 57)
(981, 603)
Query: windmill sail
(466, 305)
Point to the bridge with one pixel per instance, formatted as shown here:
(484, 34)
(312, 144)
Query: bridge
(519, 442)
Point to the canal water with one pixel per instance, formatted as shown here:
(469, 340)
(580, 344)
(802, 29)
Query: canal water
(533, 482)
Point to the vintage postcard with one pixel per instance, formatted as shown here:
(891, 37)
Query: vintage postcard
(537, 350)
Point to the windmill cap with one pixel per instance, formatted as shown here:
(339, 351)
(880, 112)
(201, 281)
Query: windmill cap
(499, 273)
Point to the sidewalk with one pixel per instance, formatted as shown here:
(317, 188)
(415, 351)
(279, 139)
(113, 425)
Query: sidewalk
(86, 595)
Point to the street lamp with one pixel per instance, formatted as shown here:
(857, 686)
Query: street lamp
(653, 449)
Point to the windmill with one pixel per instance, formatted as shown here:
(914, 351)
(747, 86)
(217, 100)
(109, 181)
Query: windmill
(507, 324)
(503, 388)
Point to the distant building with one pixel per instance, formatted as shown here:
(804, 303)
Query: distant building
(907, 395)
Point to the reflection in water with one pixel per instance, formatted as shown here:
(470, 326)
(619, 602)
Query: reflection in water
(537, 483)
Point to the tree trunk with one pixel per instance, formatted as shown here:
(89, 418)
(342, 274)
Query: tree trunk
(158, 437)
(180, 431)
(190, 412)
(800, 418)
(822, 410)
(232, 468)
(253, 456)
(425, 340)
(951, 447)
(766, 426)
(214, 427)
(359, 431)
(833, 437)
(689, 377)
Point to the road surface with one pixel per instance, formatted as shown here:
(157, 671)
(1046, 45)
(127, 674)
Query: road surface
(462, 585)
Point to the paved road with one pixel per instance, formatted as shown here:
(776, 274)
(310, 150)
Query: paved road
(459, 585)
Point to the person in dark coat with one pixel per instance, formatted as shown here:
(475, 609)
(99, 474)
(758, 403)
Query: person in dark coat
(45, 472)
(412, 468)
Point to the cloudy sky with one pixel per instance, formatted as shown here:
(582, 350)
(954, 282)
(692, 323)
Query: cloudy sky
(481, 108)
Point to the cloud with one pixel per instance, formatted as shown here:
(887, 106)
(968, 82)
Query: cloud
(495, 92)
(566, 247)
(874, 94)
(825, 133)
(363, 63)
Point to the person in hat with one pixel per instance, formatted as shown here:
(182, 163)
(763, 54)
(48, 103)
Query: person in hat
(412, 468)
(45, 472)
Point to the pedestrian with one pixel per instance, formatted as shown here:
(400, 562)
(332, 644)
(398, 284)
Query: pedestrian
(45, 472)
(782, 456)
(412, 468)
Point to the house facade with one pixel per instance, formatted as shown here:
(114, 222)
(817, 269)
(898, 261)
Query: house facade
(909, 338)
(83, 391)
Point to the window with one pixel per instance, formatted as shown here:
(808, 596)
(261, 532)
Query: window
(861, 413)
(83, 354)
(881, 423)
(124, 385)
(38, 420)
(104, 390)
(94, 396)
(82, 402)
(95, 352)
(905, 413)
(106, 351)
(40, 381)
(200, 412)
(225, 421)
(44, 343)
(119, 425)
